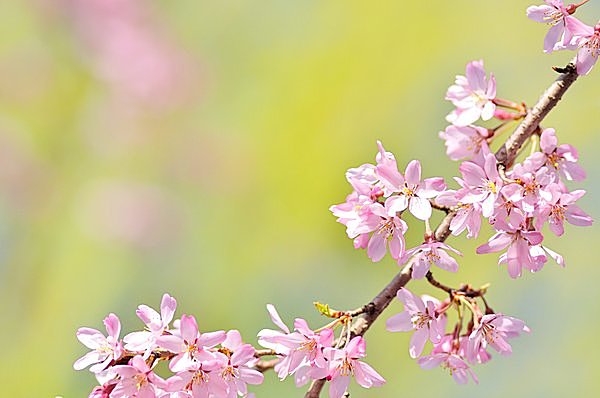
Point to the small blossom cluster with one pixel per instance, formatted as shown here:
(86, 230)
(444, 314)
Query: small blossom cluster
(373, 213)
(456, 351)
(567, 32)
(517, 202)
(212, 364)
(310, 355)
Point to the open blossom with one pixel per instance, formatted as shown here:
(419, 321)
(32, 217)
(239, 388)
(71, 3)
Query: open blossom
(302, 348)
(414, 194)
(589, 44)
(561, 159)
(467, 217)
(530, 187)
(200, 380)
(562, 207)
(344, 363)
(104, 349)
(419, 315)
(137, 380)
(430, 253)
(523, 250)
(481, 183)
(236, 359)
(456, 366)
(494, 330)
(555, 14)
(190, 345)
(156, 324)
(464, 142)
(389, 232)
(472, 95)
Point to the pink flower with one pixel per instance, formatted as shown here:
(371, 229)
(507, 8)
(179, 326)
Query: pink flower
(387, 171)
(156, 324)
(430, 252)
(589, 44)
(560, 207)
(561, 159)
(414, 194)
(202, 380)
(190, 344)
(389, 232)
(530, 190)
(299, 348)
(555, 14)
(481, 183)
(494, 330)
(236, 362)
(105, 349)
(137, 380)
(419, 315)
(472, 95)
(468, 215)
(464, 142)
(456, 366)
(345, 363)
(523, 251)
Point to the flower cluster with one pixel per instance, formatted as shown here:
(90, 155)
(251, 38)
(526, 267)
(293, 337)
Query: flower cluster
(213, 364)
(310, 355)
(567, 32)
(518, 201)
(456, 351)
(373, 212)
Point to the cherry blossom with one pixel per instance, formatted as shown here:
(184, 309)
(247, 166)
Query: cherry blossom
(414, 194)
(104, 349)
(137, 380)
(555, 14)
(156, 324)
(345, 363)
(561, 159)
(589, 44)
(430, 252)
(464, 142)
(494, 330)
(190, 345)
(419, 315)
(472, 95)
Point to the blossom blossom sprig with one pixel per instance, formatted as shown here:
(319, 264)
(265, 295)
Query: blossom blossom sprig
(466, 343)
(212, 364)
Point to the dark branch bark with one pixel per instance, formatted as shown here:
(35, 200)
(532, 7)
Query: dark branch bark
(505, 155)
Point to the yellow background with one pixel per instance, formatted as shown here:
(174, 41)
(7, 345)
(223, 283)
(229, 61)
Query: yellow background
(235, 181)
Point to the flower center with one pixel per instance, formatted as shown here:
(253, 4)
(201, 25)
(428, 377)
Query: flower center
(558, 212)
(553, 17)
(230, 373)
(346, 368)
(420, 320)
(593, 45)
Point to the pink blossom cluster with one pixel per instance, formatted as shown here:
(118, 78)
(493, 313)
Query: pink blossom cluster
(567, 32)
(373, 212)
(456, 351)
(519, 202)
(211, 364)
(310, 355)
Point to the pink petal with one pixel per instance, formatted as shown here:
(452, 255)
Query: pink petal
(168, 305)
(420, 208)
(276, 318)
(189, 328)
(113, 326)
(417, 342)
(401, 322)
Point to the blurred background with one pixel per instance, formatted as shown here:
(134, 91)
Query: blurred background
(194, 147)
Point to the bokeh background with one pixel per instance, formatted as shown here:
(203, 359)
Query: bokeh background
(194, 147)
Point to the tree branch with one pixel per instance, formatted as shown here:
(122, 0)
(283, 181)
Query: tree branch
(505, 155)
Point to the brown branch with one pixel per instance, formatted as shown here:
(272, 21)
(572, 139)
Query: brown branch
(505, 155)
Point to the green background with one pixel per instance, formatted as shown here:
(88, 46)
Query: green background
(220, 194)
